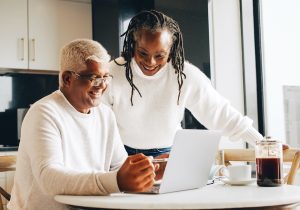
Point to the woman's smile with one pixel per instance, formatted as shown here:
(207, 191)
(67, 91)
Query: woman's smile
(153, 68)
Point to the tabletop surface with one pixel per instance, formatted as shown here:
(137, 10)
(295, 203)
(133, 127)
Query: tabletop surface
(215, 196)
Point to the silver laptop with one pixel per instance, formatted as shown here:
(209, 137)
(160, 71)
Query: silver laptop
(191, 158)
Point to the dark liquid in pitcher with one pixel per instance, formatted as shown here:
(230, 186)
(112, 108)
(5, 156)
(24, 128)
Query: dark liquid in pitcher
(268, 172)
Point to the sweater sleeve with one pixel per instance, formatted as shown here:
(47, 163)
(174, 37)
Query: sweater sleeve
(42, 142)
(215, 112)
(119, 154)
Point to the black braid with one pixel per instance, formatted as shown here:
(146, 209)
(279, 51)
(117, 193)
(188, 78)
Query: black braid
(154, 21)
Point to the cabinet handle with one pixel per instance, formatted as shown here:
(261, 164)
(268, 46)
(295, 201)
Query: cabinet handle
(21, 48)
(33, 49)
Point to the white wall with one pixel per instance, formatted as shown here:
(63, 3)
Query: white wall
(226, 54)
(281, 62)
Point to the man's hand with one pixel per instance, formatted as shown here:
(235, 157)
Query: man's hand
(136, 174)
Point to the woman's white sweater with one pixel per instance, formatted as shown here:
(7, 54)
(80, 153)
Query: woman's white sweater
(155, 117)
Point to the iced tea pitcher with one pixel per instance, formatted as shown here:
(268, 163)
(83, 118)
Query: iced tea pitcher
(268, 154)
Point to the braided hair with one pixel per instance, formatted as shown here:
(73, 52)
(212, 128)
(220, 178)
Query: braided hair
(154, 21)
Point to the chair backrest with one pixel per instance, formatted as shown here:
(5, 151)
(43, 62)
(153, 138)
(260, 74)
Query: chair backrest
(7, 163)
(292, 155)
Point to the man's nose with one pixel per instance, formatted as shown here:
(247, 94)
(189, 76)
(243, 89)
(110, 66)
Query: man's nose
(102, 85)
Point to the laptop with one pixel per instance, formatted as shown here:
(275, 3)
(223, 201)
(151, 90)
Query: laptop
(190, 160)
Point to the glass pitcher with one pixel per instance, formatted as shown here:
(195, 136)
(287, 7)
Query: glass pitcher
(269, 160)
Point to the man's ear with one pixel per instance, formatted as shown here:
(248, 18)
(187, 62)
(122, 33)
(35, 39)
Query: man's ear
(66, 78)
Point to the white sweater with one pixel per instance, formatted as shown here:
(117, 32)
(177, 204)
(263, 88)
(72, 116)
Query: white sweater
(154, 118)
(63, 151)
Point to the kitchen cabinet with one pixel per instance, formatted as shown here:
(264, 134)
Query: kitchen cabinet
(33, 31)
(13, 30)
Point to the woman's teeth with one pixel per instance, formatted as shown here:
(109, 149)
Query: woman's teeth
(150, 69)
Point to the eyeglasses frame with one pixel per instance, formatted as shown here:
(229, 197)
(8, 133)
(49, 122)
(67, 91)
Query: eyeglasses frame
(95, 81)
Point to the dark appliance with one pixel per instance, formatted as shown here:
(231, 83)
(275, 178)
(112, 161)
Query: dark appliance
(17, 92)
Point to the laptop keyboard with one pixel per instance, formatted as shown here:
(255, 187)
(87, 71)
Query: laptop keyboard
(154, 189)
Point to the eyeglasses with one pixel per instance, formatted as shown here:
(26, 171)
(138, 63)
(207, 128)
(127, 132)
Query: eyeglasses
(95, 81)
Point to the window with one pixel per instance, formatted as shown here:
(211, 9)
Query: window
(277, 43)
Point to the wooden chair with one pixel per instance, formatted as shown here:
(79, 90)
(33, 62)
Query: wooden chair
(7, 163)
(292, 155)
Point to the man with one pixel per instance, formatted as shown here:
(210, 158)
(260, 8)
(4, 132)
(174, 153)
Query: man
(70, 143)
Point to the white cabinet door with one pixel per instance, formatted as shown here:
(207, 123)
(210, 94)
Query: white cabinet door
(13, 34)
(52, 24)
(32, 32)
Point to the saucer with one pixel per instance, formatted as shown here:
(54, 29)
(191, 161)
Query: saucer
(244, 182)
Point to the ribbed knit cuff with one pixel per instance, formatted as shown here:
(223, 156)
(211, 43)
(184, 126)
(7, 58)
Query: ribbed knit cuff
(251, 136)
(109, 182)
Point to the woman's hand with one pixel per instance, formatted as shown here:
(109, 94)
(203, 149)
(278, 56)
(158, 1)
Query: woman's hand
(285, 146)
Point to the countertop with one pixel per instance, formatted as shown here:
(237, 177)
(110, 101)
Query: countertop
(7, 149)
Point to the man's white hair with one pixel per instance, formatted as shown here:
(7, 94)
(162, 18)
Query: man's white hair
(74, 55)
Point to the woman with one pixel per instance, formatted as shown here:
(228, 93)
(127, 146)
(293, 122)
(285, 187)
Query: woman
(153, 84)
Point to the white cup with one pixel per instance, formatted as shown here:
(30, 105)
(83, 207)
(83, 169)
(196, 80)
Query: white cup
(239, 173)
